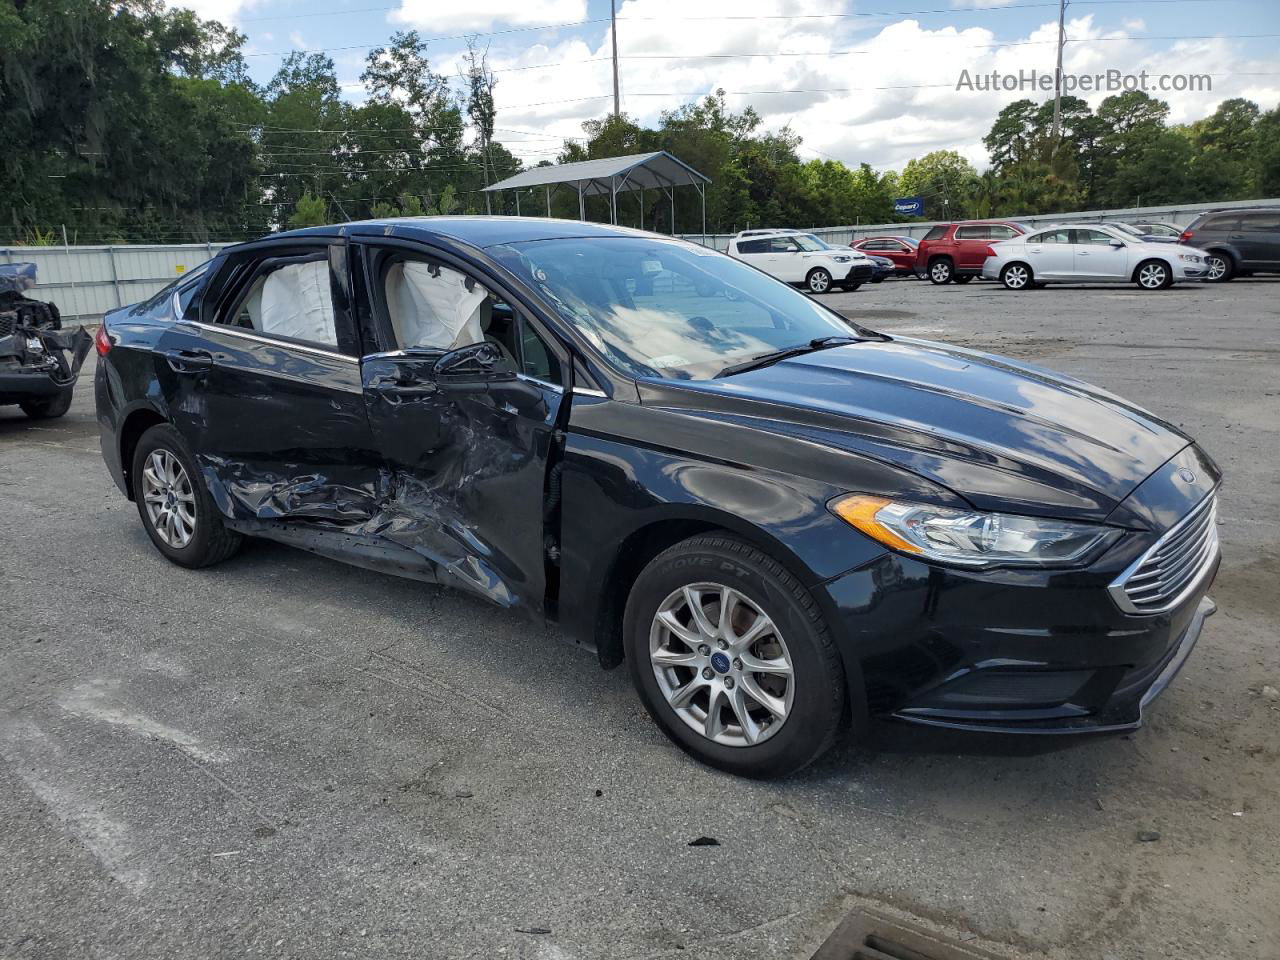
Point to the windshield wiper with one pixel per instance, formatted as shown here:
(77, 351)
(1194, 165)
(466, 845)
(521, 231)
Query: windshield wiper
(773, 356)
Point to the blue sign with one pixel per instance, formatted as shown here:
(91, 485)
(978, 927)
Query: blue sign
(909, 206)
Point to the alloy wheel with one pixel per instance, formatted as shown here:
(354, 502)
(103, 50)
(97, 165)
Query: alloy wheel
(1217, 266)
(1015, 277)
(940, 272)
(819, 281)
(722, 664)
(1153, 276)
(169, 498)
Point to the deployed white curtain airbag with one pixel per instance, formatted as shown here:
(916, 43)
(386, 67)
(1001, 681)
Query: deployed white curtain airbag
(433, 306)
(296, 303)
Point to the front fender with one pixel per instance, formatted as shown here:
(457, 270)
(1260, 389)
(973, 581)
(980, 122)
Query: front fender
(629, 471)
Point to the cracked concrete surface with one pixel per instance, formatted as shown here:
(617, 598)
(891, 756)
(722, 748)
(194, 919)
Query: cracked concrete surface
(286, 757)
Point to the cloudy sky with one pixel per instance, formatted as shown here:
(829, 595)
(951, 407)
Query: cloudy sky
(860, 80)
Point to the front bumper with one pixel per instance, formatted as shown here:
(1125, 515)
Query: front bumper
(859, 273)
(1024, 650)
(945, 650)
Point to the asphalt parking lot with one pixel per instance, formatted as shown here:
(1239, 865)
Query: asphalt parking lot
(287, 757)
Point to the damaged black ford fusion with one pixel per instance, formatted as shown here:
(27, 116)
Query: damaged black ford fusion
(39, 360)
(784, 523)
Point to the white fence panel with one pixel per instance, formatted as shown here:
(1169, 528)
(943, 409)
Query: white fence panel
(86, 282)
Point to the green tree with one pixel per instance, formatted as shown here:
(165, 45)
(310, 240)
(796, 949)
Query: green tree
(945, 179)
(309, 212)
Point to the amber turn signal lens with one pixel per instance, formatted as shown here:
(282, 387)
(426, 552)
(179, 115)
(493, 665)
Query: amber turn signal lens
(859, 511)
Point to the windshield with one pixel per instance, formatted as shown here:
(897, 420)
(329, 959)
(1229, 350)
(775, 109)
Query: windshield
(809, 242)
(1127, 228)
(669, 309)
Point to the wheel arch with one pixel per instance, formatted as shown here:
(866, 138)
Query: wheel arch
(634, 552)
(1133, 277)
(141, 418)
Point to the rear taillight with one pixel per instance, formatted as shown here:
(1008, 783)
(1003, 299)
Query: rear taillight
(989, 253)
(1186, 236)
(102, 341)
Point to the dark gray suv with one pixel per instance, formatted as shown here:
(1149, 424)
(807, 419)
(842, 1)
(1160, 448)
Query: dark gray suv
(1238, 242)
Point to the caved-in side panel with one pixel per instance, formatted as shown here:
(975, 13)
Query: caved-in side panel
(466, 476)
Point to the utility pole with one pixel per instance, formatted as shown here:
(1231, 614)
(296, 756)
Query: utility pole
(1057, 74)
(613, 22)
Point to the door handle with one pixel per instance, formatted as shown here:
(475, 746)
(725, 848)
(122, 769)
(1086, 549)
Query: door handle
(1082, 253)
(188, 361)
(392, 387)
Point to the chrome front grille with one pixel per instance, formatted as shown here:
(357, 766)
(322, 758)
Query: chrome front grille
(1175, 565)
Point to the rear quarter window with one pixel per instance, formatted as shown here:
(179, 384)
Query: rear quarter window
(1219, 222)
(937, 233)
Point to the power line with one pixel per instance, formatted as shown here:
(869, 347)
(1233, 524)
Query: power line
(863, 14)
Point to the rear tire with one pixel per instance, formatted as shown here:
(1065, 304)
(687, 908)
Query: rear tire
(963, 277)
(1221, 267)
(850, 287)
(1016, 276)
(176, 510)
(941, 271)
(46, 408)
(677, 672)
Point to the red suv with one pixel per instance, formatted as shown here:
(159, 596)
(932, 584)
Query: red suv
(901, 250)
(956, 251)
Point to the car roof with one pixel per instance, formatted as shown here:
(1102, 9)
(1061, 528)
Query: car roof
(766, 234)
(481, 231)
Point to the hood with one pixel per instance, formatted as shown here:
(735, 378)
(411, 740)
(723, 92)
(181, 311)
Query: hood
(1001, 434)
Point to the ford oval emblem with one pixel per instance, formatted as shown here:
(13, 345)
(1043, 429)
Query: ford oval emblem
(720, 662)
(1186, 476)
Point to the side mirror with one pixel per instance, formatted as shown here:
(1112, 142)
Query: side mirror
(1116, 243)
(476, 364)
(482, 368)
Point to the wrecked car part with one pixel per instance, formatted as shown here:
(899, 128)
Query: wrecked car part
(38, 359)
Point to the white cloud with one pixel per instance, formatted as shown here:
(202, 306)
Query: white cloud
(917, 107)
(979, 4)
(438, 17)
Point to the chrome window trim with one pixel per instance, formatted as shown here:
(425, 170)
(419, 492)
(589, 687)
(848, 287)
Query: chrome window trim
(590, 392)
(1211, 549)
(273, 341)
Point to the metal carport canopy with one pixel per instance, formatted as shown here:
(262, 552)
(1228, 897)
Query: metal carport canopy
(610, 176)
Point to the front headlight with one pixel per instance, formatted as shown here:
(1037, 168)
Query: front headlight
(1189, 257)
(842, 259)
(970, 538)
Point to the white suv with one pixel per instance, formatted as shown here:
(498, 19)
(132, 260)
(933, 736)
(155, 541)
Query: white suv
(802, 258)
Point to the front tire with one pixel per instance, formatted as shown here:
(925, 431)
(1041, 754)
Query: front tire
(733, 659)
(1221, 267)
(1153, 275)
(46, 408)
(963, 278)
(1016, 276)
(941, 271)
(176, 509)
(818, 280)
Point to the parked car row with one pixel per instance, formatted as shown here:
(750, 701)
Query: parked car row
(1214, 247)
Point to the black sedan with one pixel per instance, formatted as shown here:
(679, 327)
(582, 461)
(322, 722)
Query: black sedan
(781, 521)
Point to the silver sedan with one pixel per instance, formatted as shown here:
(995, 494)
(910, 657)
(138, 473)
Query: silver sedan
(1091, 253)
